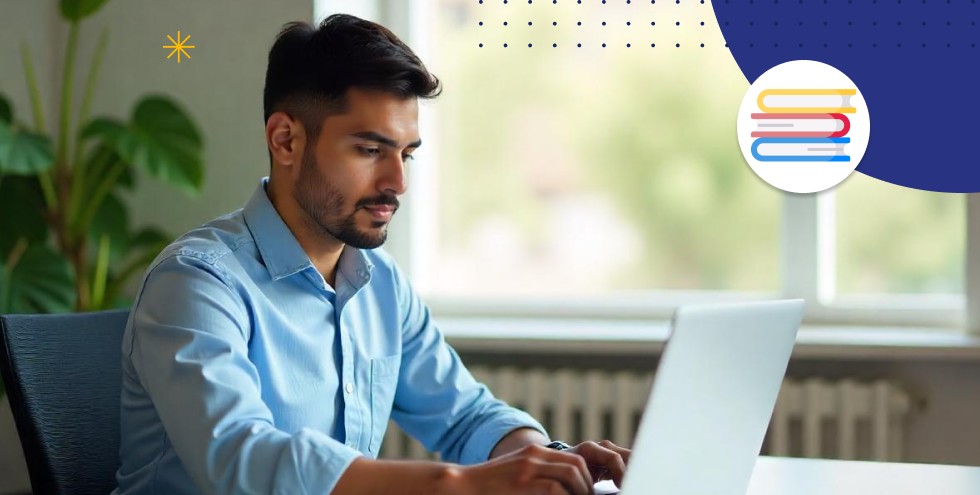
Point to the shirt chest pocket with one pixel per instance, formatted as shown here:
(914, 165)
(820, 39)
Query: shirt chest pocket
(384, 382)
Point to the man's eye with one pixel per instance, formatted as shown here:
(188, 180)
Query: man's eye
(406, 158)
(369, 151)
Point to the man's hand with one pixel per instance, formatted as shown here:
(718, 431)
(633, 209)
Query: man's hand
(531, 470)
(606, 460)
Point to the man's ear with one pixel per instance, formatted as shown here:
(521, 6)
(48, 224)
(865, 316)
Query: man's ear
(285, 138)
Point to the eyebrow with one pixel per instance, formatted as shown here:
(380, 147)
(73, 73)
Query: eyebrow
(387, 141)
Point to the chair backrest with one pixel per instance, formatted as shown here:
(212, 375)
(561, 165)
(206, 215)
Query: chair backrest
(63, 376)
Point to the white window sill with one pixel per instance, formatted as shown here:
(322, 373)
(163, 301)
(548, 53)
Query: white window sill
(579, 336)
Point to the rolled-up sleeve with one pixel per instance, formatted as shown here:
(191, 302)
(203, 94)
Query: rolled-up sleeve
(189, 348)
(438, 401)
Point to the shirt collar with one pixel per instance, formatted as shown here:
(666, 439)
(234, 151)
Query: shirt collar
(281, 252)
(354, 268)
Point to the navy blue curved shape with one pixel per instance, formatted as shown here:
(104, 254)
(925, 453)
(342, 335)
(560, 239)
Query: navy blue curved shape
(916, 62)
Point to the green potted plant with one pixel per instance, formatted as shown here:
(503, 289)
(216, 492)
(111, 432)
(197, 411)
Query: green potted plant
(66, 243)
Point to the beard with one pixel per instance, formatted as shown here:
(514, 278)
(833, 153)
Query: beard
(324, 205)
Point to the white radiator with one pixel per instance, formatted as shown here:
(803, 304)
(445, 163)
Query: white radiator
(842, 419)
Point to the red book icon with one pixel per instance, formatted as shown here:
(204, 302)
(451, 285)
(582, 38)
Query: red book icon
(786, 125)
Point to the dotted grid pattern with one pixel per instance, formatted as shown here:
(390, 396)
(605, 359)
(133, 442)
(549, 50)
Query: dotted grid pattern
(915, 61)
(848, 24)
(597, 24)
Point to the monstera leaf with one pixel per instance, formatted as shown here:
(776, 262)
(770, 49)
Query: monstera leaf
(161, 139)
(99, 159)
(165, 142)
(105, 129)
(23, 152)
(76, 10)
(40, 281)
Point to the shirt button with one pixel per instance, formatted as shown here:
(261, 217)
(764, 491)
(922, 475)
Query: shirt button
(349, 388)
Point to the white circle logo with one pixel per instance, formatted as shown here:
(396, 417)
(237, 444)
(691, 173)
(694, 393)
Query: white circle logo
(803, 126)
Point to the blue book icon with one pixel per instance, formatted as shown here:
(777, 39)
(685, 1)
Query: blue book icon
(771, 149)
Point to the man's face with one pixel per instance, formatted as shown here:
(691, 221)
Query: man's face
(350, 179)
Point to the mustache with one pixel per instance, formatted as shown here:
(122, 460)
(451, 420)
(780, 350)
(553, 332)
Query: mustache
(378, 201)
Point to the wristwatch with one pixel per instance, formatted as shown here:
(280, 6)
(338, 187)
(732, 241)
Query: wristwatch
(558, 445)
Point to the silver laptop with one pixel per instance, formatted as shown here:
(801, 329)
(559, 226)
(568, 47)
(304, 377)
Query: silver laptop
(712, 398)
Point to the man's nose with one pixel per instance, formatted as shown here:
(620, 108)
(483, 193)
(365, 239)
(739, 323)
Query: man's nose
(394, 179)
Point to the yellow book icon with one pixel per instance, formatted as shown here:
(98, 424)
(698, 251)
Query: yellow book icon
(806, 100)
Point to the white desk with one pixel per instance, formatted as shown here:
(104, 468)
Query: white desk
(785, 476)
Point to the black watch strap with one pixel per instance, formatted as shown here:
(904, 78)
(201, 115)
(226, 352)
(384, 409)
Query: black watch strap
(558, 445)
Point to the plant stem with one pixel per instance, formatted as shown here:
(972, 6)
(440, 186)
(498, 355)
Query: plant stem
(105, 185)
(101, 272)
(78, 180)
(18, 250)
(77, 255)
(78, 166)
(67, 84)
(50, 197)
(93, 77)
(35, 95)
(12, 259)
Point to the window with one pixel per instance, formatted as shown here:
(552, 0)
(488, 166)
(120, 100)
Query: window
(625, 180)
(892, 239)
(606, 181)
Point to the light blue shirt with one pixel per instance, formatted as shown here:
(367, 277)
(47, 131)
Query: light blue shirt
(245, 372)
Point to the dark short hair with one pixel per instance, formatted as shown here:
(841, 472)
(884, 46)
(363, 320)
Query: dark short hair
(310, 69)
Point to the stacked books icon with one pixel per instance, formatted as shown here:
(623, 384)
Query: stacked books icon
(802, 125)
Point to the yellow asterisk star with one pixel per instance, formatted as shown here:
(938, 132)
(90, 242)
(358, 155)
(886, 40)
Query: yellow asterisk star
(178, 46)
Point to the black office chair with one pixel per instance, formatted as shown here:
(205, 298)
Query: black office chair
(63, 373)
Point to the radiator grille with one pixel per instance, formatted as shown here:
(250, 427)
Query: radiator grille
(834, 419)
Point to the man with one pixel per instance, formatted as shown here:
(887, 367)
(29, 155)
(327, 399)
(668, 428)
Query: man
(267, 349)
